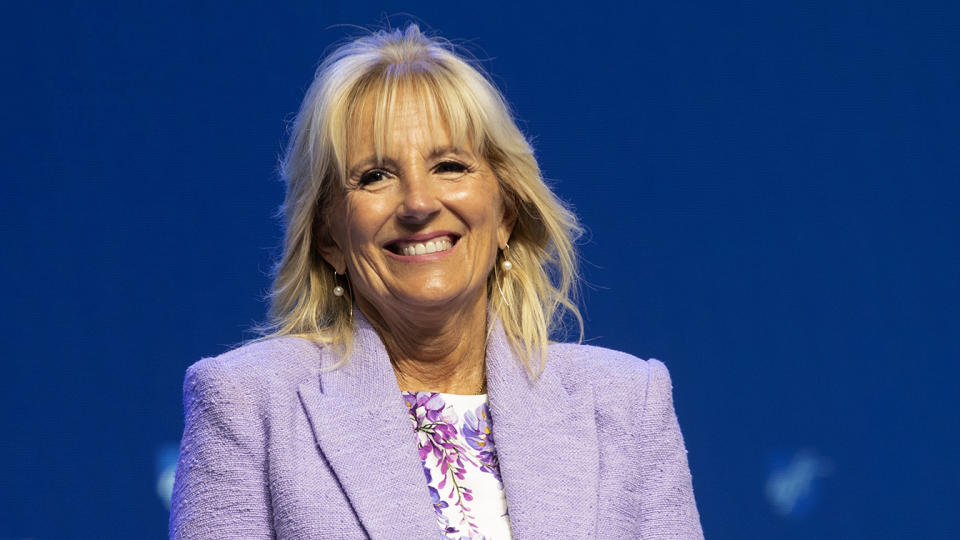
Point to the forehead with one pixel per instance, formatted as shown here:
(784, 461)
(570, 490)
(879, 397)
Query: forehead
(381, 130)
(386, 118)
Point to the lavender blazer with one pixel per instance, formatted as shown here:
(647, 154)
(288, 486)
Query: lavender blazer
(273, 447)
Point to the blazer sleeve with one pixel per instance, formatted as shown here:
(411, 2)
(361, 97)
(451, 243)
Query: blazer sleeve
(667, 506)
(221, 488)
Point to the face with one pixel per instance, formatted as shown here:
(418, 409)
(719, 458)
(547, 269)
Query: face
(420, 229)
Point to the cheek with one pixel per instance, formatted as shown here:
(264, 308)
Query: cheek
(364, 219)
(476, 202)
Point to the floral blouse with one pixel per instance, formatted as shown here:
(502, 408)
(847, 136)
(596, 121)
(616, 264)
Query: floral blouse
(460, 462)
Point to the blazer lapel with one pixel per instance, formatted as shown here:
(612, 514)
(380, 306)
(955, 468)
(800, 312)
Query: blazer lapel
(546, 441)
(545, 437)
(362, 428)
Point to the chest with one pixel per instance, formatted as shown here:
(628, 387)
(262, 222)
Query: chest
(580, 472)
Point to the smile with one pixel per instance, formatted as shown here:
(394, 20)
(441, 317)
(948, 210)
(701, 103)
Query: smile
(428, 247)
(417, 246)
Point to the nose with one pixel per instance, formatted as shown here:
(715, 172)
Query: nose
(420, 199)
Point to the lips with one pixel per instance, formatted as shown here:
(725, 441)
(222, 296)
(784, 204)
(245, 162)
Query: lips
(421, 244)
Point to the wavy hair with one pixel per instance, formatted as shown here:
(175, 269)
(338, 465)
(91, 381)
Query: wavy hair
(542, 288)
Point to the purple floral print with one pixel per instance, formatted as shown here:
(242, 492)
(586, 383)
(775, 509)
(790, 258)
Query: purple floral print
(476, 429)
(450, 447)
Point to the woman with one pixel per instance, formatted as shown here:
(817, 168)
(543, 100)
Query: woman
(406, 386)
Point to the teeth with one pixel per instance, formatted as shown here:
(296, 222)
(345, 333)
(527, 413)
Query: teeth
(427, 247)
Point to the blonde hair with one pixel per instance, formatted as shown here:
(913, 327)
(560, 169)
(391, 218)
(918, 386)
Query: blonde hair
(542, 285)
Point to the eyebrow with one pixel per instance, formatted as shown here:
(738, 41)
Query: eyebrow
(435, 153)
(449, 149)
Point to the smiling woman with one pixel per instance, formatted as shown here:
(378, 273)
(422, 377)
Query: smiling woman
(417, 228)
(382, 112)
(406, 384)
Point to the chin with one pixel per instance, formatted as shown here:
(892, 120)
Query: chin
(428, 299)
(432, 297)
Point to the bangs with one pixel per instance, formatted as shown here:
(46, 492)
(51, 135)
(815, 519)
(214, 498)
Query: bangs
(356, 92)
(377, 99)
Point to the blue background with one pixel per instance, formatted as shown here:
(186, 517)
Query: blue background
(770, 190)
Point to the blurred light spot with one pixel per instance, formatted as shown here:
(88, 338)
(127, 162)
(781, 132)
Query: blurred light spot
(166, 466)
(793, 481)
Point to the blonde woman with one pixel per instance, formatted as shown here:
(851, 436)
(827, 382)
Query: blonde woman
(406, 385)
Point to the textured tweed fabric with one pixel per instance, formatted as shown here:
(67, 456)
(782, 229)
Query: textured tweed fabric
(275, 446)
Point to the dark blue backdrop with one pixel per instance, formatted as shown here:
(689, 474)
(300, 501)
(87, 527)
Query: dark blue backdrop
(770, 189)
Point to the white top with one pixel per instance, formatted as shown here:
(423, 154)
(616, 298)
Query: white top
(455, 438)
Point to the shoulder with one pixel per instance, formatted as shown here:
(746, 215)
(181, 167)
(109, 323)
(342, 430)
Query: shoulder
(599, 365)
(622, 376)
(256, 367)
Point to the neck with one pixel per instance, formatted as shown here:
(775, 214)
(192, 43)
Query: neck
(435, 351)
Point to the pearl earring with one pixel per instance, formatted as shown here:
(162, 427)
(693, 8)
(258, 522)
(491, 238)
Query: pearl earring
(337, 290)
(506, 264)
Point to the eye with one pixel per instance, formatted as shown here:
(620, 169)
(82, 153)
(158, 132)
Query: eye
(451, 167)
(372, 176)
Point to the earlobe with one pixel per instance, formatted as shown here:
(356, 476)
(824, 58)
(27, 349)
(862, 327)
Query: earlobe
(507, 223)
(503, 240)
(332, 253)
(327, 246)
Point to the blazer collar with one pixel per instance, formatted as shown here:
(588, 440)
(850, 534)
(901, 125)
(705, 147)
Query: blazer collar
(545, 437)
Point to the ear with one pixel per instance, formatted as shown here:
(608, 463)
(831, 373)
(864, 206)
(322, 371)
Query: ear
(332, 253)
(330, 250)
(507, 222)
(327, 238)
